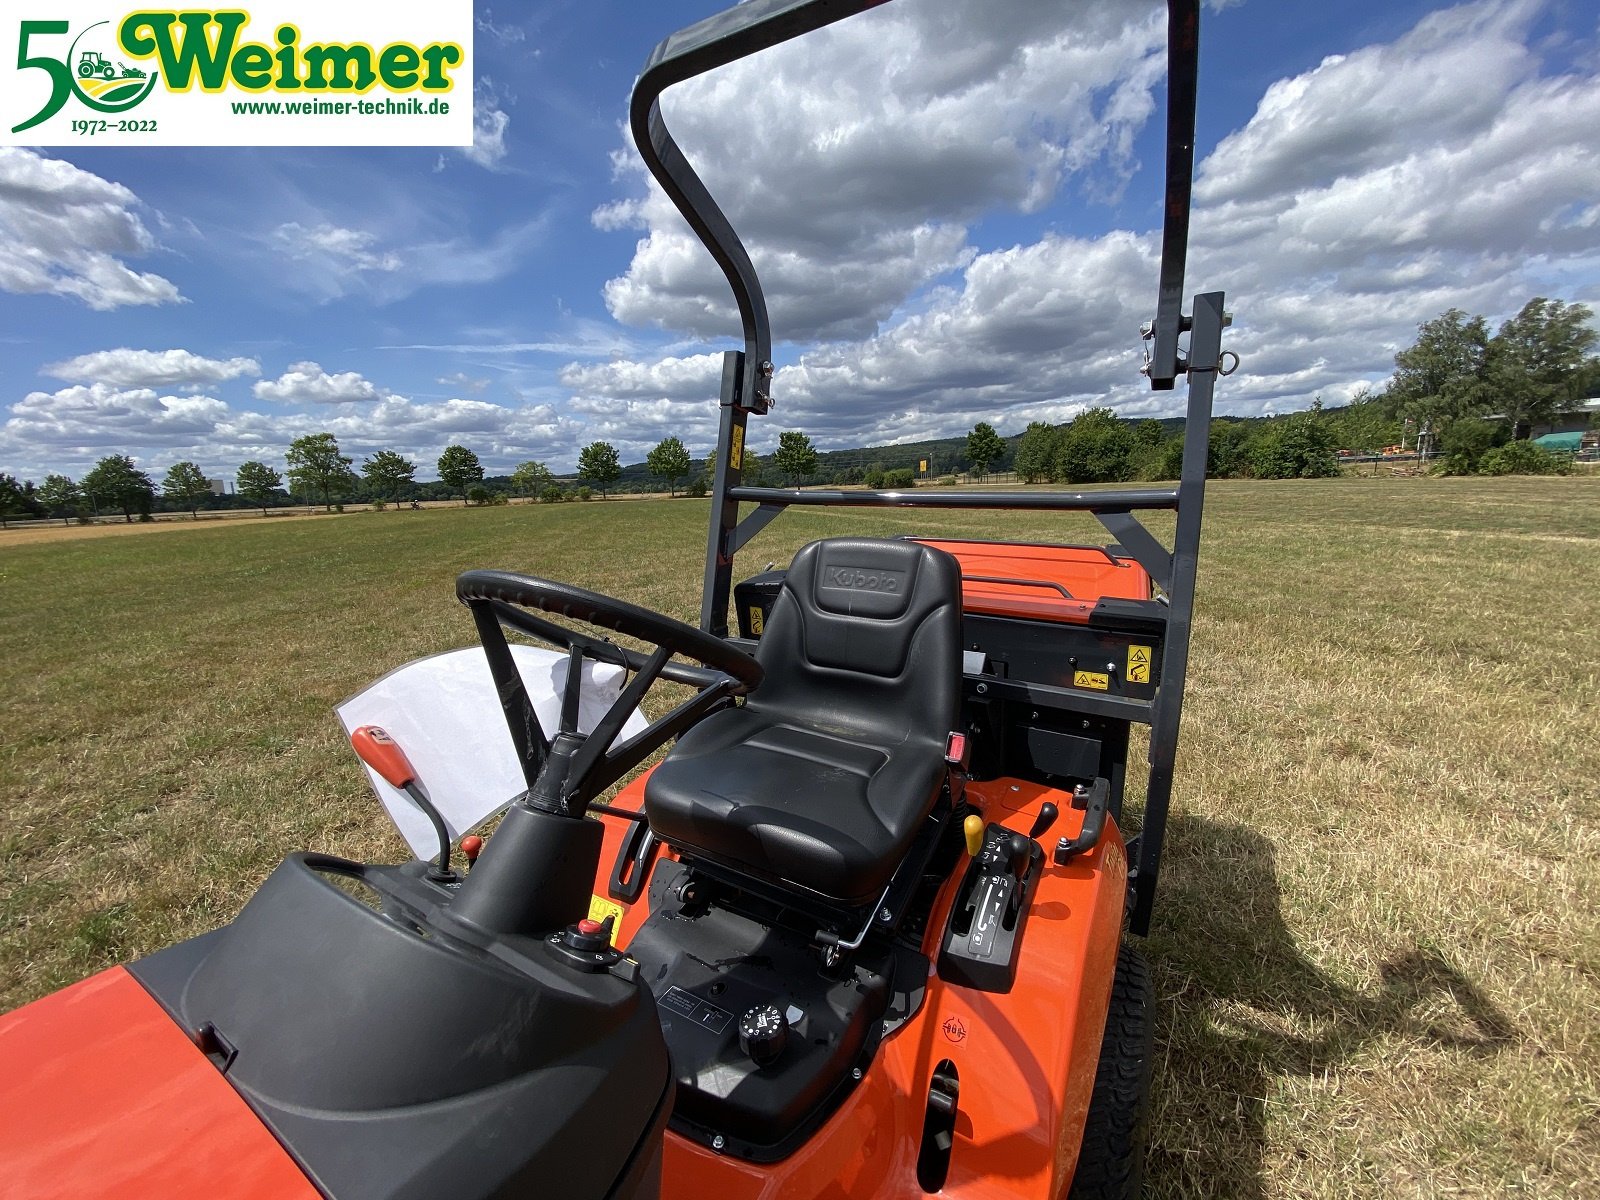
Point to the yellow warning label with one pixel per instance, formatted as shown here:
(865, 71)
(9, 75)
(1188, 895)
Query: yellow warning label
(1098, 680)
(1138, 664)
(600, 909)
(756, 619)
(736, 449)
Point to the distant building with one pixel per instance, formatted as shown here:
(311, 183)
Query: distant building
(1574, 418)
(217, 486)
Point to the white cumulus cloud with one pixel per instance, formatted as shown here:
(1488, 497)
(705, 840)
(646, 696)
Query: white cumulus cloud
(308, 383)
(853, 160)
(65, 231)
(125, 368)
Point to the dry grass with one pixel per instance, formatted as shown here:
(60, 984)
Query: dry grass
(1376, 944)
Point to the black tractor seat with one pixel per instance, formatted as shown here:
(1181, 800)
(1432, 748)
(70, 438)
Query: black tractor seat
(823, 778)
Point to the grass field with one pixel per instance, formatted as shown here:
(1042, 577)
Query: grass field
(1377, 944)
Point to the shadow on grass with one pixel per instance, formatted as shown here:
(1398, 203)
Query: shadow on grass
(1241, 1006)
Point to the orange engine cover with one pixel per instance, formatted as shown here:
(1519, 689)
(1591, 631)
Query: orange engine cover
(104, 1096)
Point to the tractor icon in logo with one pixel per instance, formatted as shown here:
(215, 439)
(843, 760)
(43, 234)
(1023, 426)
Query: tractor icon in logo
(92, 62)
(101, 81)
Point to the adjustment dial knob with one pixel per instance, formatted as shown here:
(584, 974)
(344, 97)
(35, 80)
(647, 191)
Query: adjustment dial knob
(763, 1033)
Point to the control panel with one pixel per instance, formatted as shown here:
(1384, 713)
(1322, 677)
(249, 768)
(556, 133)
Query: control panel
(983, 937)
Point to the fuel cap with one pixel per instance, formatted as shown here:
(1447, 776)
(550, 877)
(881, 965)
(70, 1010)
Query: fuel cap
(763, 1033)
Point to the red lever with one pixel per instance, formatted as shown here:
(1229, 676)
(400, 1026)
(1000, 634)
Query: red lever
(383, 754)
(472, 846)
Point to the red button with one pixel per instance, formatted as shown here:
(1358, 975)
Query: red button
(589, 928)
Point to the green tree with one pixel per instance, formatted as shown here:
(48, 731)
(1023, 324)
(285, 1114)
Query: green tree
(10, 498)
(1364, 425)
(1440, 377)
(984, 446)
(186, 485)
(1094, 448)
(795, 457)
(1466, 441)
(670, 461)
(119, 484)
(1036, 452)
(258, 481)
(1299, 446)
(318, 469)
(1169, 464)
(459, 469)
(1535, 362)
(386, 473)
(1148, 457)
(60, 495)
(599, 464)
(1227, 450)
(530, 478)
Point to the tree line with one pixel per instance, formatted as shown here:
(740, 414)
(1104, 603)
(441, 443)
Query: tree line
(1478, 397)
(1472, 395)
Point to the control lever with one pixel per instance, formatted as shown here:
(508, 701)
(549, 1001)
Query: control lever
(1096, 800)
(1047, 817)
(1019, 855)
(1019, 858)
(382, 753)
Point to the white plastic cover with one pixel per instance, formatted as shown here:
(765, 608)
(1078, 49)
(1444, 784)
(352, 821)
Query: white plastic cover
(446, 716)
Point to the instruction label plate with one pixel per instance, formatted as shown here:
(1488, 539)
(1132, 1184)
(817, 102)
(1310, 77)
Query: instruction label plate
(702, 1012)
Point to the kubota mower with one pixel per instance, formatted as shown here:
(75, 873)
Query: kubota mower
(862, 933)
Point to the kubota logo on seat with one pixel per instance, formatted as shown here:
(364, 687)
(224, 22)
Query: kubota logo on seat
(863, 579)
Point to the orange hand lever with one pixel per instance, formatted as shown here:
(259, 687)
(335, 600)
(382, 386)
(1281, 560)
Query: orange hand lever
(383, 754)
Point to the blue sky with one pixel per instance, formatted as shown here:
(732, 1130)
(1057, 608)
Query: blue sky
(954, 206)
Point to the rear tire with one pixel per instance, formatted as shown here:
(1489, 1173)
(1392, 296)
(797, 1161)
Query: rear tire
(1111, 1159)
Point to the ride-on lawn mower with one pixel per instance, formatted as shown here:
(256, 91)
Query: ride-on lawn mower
(859, 934)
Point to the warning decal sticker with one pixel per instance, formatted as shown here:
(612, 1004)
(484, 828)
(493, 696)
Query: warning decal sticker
(1098, 680)
(1138, 664)
(600, 909)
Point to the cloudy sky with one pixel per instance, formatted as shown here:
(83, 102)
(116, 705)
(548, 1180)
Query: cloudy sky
(954, 207)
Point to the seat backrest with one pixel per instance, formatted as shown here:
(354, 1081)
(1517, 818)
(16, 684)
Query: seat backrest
(865, 635)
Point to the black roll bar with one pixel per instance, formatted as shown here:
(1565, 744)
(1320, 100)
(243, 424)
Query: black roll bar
(714, 42)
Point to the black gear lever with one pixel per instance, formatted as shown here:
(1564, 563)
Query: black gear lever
(1019, 856)
(1047, 817)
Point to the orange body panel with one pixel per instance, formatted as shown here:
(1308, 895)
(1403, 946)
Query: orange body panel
(1026, 1059)
(103, 1095)
(1014, 579)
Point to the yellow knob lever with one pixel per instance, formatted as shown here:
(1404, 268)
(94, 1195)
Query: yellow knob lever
(973, 828)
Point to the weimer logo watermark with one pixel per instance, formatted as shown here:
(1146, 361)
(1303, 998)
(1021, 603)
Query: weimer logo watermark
(329, 73)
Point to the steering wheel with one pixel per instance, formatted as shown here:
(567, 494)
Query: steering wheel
(563, 774)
